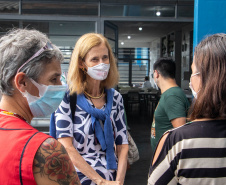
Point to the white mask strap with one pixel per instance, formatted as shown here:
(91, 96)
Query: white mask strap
(195, 74)
(41, 87)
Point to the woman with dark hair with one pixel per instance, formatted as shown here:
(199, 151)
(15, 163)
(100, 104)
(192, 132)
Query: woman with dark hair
(99, 120)
(195, 153)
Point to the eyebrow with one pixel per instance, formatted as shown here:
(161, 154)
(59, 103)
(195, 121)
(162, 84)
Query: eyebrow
(94, 57)
(55, 75)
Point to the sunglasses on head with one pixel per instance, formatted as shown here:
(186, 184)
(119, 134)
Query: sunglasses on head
(48, 46)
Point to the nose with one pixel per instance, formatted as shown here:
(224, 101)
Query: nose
(59, 82)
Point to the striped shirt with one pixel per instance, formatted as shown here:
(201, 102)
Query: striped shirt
(192, 154)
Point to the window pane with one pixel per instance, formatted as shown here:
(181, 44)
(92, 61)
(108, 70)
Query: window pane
(65, 8)
(185, 11)
(77, 1)
(63, 34)
(8, 25)
(11, 7)
(139, 71)
(41, 26)
(137, 10)
(139, 59)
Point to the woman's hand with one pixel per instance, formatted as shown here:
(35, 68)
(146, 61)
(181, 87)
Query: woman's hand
(106, 182)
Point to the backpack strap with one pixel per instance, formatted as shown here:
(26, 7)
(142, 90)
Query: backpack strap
(73, 102)
(52, 126)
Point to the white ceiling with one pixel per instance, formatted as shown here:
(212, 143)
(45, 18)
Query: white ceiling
(150, 32)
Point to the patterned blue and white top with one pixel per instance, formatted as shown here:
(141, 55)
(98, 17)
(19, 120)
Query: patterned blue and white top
(84, 137)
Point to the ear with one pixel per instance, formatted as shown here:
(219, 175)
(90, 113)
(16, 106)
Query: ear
(157, 74)
(21, 81)
(82, 65)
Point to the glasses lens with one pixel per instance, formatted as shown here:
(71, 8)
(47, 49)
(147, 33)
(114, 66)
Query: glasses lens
(49, 46)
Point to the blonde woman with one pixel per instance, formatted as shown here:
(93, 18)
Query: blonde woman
(98, 121)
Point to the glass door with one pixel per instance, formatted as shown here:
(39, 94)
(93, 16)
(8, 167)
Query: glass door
(111, 33)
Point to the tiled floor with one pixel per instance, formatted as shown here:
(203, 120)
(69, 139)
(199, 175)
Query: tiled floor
(140, 126)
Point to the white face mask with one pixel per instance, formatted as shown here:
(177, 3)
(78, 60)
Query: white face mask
(192, 90)
(98, 72)
(49, 99)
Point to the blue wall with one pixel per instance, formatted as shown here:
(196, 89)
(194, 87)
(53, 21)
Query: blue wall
(209, 18)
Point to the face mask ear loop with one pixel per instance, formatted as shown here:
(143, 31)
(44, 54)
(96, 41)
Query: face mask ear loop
(41, 87)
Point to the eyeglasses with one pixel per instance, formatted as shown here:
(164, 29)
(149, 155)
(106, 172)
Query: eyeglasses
(195, 74)
(48, 46)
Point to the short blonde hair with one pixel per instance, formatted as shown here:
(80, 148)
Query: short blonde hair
(76, 78)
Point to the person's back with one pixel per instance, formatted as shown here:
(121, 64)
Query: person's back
(173, 105)
(196, 154)
(147, 84)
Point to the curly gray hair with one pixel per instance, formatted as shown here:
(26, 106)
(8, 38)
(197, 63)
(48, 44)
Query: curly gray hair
(16, 47)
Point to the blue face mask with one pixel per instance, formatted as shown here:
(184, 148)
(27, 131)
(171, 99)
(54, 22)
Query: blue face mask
(49, 99)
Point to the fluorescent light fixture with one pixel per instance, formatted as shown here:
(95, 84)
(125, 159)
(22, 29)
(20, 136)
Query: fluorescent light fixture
(129, 37)
(158, 13)
(122, 43)
(140, 28)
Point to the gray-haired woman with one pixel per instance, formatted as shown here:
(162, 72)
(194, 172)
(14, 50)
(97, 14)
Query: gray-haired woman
(30, 85)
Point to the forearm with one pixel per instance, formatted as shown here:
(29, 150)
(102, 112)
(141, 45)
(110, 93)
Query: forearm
(122, 151)
(177, 122)
(83, 166)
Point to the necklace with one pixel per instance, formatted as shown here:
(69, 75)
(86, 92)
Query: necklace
(13, 114)
(94, 97)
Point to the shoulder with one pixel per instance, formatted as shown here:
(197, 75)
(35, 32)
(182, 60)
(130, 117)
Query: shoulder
(174, 93)
(49, 163)
(185, 131)
(169, 139)
(48, 149)
(177, 91)
(116, 94)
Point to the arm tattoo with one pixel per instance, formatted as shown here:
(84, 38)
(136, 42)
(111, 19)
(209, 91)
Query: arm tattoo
(52, 160)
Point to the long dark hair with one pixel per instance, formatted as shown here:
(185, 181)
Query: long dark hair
(210, 61)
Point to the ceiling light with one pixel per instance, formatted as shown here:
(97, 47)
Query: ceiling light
(158, 13)
(129, 37)
(122, 43)
(140, 28)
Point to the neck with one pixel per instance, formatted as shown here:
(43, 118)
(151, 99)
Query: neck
(165, 84)
(93, 87)
(16, 105)
(94, 97)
